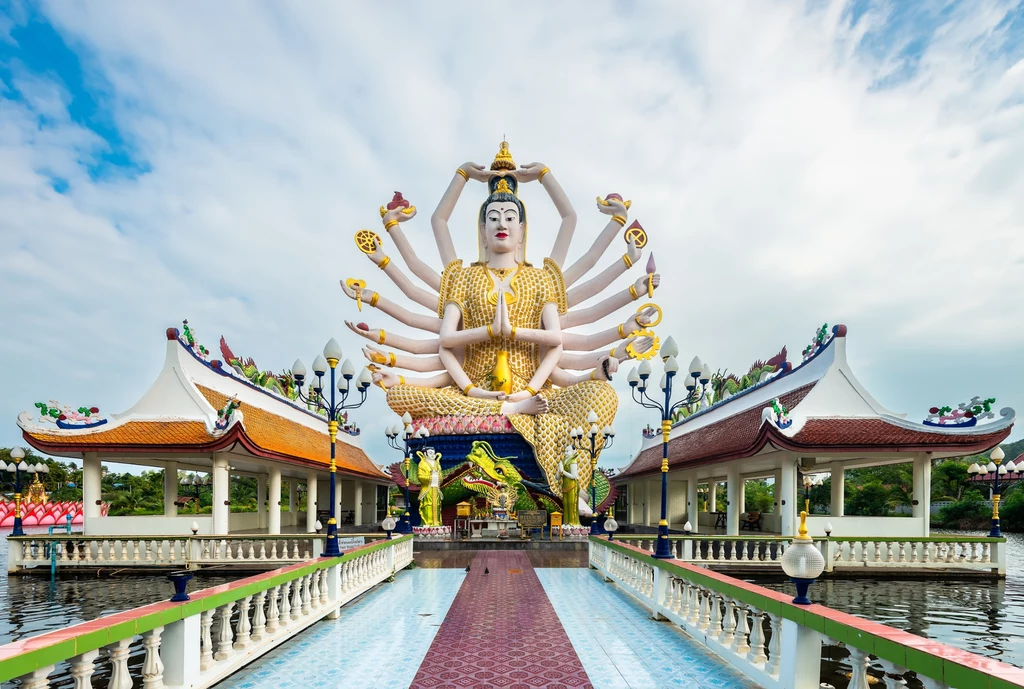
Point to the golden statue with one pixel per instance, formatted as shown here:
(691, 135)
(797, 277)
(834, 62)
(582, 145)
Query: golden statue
(428, 472)
(571, 487)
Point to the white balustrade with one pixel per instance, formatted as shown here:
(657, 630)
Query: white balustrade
(772, 651)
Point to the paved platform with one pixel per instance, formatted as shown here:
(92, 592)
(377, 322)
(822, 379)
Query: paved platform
(534, 619)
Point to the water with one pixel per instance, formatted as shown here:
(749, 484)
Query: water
(980, 616)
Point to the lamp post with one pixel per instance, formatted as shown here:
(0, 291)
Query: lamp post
(16, 467)
(587, 441)
(332, 408)
(697, 378)
(809, 483)
(193, 486)
(1001, 476)
(407, 433)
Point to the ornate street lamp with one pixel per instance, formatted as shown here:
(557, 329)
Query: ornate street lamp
(193, 486)
(803, 562)
(332, 409)
(17, 466)
(809, 483)
(1001, 476)
(407, 433)
(586, 441)
(697, 378)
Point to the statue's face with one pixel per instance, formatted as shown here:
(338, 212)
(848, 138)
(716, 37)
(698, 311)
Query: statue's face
(503, 229)
(431, 453)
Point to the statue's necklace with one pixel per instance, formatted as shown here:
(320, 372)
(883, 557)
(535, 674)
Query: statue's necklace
(503, 273)
(512, 296)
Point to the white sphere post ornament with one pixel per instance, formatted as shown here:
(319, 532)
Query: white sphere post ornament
(803, 562)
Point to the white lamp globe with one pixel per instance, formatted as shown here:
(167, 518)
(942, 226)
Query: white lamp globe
(17, 453)
(388, 524)
(645, 368)
(319, 365)
(998, 454)
(687, 527)
(803, 560)
(974, 469)
(299, 369)
(991, 468)
(669, 348)
(592, 417)
(332, 350)
(610, 525)
(347, 369)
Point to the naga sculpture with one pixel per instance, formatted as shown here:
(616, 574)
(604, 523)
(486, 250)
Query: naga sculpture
(501, 337)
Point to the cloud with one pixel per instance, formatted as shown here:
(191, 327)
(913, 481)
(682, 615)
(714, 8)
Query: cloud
(794, 165)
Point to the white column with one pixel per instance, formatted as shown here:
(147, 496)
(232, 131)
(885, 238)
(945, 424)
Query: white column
(691, 502)
(838, 491)
(357, 503)
(221, 495)
(274, 500)
(311, 498)
(712, 496)
(170, 489)
(734, 507)
(92, 470)
(292, 498)
(923, 491)
(261, 500)
(787, 496)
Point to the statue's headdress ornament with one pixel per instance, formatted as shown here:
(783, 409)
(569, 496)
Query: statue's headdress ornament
(506, 184)
(503, 161)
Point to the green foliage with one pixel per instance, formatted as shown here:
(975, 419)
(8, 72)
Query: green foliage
(871, 499)
(758, 496)
(969, 513)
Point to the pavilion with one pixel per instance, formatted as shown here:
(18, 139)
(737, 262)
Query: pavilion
(823, 420)
(224, 419)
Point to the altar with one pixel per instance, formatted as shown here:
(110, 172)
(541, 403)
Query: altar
(493, 528)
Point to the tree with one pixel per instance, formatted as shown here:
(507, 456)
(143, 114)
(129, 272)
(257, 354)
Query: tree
(871, 499)
(758, 496)
(950, 477)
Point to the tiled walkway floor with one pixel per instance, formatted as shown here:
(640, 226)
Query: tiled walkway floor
(515, 628)
(621, 646)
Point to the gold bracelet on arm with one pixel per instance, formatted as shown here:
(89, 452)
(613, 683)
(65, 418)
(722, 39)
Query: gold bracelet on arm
(465, 390)
(619, 219)
(401, 380)
(513, 333)
(592, 374)
(533, 393)
(462, 173)
(632, 292)
(373, 302)
(392, 359)
(384, 262)
(490, 331)
(389, 224)
(622, 333)
(383, 336)
(627, 260)
(540, 176)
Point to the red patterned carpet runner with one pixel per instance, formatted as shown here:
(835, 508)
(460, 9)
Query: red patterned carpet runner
(501, 631)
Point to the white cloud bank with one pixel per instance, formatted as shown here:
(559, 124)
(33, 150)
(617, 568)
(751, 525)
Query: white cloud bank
(790, 171)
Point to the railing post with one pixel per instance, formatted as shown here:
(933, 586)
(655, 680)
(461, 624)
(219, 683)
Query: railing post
(14, 555)
(318, 547)
(179, 651)
(998, 557)
(687, 550)
(801, 656)
(334, 591)
(391, 556)
(658, 594)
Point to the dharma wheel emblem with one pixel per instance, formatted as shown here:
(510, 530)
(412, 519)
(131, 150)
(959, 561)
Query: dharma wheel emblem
(367, 240)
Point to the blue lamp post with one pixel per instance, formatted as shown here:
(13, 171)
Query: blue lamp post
(17, 466)
(406, 432)
(587, 441)
(697, 379)
(332, 408)
(1001, 476)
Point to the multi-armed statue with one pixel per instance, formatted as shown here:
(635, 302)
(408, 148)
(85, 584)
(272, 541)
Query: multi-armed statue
(501, 329)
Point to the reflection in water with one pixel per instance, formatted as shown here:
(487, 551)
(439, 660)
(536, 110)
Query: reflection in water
(981, 616)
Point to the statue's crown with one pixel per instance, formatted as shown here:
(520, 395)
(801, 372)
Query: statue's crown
(503, 161)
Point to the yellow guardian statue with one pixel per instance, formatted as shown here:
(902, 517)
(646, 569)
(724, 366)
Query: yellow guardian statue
(500, 339)
(571, 487)
(428, 472)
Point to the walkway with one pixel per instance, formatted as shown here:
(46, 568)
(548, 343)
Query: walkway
(502, 624)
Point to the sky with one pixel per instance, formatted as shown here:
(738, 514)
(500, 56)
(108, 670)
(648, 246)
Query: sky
(794, 164)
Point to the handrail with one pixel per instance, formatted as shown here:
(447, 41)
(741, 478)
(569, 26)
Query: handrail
(782, 647)
(225, 537)
(181, 648)
(834, 539)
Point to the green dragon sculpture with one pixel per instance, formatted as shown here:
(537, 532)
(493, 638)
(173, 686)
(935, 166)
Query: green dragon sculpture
(725, 384)
(282, 383)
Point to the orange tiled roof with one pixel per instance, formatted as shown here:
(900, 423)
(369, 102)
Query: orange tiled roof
(136, 433)
(281, 436)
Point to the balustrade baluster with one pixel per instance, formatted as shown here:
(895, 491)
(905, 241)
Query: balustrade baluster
(729, 623)
(224, 636)
(739, 641)
(206, 640)
(242, 627)
(859, 664)
(695, 603)
(314, 589)
(262, 553)
(296, 606)
(893, 676)
(715, 618)
(83, 666)
(273, 613)
(259, 618)
(273, 549)
(757, 655)
(902, 545)
(324, 593)
(152, 667)
(704, 619)
(37, 679)
(775, 646)
(120, 678)
(286, 605)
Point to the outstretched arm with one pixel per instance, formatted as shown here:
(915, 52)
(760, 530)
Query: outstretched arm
(576, 342)
(532, 171)
(418, 267)
(420, 364)
(439, 220)
(417, 294)
(596, 285)
(414, 320)
(616, 209)
(588, 360)
(406, 344)
(598, 311)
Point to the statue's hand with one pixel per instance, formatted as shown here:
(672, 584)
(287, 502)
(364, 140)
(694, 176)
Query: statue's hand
(375, 355)
(388, 378)
(641, 283)
(400, 214)
(378, 254)
(632, 251)
(529, 172)
(612, 366)
(476, 171)
(613, 207)
(506, 323)
(519, 396)
(371, 334)
(351, 292)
